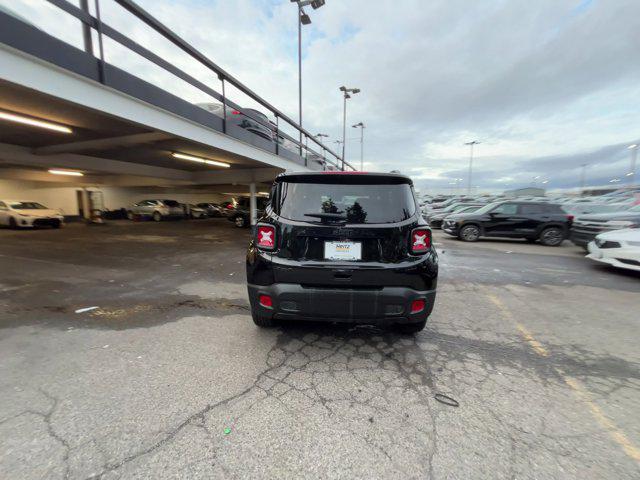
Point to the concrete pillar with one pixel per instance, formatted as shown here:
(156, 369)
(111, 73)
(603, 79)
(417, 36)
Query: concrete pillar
(252, 203)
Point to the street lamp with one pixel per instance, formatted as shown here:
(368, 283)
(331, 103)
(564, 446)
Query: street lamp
(303, 19)
(634, 156)
(361, 126)
(346, 91)
(320, 136)
(471, 145)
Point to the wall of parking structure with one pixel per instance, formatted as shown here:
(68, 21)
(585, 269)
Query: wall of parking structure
(64, 197)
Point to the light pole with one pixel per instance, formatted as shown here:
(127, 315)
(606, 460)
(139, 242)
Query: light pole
(303, 19)
(320, 136)
(361, 126)
(471, 145)
(346, 91)
(634, 156)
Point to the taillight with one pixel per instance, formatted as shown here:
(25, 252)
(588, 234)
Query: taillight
(570, 218)
(236, 112)
(420, 240)
(229, 206)
(417, 305)
(266, 237)
(266, 301)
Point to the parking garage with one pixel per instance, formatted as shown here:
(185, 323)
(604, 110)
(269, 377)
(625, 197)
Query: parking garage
(84, 136)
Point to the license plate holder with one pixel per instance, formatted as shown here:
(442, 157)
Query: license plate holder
(343, 250)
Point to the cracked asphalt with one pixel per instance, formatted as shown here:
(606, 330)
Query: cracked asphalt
(169, 378)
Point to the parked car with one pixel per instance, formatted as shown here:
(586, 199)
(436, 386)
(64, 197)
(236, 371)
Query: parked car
(156, 209)
(435, 219)
(577, 209)
(349, 247)
(586, 227)
(196, 212)
(620, 248)
(533, 221)
(19, 214)
(240, 212)
(251, 120)
(446, 203)
(212, 209)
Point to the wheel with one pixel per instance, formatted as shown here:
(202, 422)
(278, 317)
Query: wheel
(470, 233)
(411, 328)
(240, 221)
(157, 217)
(130, 215)
(551, 236)
(57, 225)
(262, 322)
(12, 223)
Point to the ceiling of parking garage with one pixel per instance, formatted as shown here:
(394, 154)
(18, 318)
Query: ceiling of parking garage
(89, 125)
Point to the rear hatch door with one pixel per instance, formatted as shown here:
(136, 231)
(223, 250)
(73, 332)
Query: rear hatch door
(337, 228)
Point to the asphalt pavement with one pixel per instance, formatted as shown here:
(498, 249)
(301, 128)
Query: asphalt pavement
(169, 378)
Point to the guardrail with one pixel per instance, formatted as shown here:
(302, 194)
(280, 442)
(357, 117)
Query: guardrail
(88, 21)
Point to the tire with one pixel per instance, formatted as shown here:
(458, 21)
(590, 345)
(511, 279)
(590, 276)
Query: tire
(57, 225)
(12, 223)
(130, 215)
(469, 233)
(411, 328)
(157, 217)
(240, 221)
(262, 322)
(551, 237)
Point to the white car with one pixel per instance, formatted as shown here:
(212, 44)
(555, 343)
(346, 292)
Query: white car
(17, 214)
(620, 248)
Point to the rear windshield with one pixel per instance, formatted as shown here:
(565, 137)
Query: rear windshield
(171, 203)
(358, 203)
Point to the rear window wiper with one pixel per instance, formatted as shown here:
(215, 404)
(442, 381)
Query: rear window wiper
(328, 217)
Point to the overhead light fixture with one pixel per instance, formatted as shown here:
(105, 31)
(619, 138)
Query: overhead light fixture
(304, 18)
(12, 117)
(66, 172)
(263, 193)
(191, 158)
(632, 146)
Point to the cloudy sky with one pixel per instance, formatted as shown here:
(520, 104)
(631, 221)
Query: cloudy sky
(544, 85)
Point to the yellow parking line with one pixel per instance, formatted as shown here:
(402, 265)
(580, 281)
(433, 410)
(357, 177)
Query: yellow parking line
(536, 345)
(616, 434)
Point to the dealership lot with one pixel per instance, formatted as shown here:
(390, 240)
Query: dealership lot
(170, 378)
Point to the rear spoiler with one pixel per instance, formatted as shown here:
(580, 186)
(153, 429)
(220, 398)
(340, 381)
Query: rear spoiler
(345, 178)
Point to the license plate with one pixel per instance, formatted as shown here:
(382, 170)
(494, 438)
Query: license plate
(342, 250)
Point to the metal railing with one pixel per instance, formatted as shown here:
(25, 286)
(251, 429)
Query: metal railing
(89, 22)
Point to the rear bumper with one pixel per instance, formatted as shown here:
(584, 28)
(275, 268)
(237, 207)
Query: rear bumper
(385, 305)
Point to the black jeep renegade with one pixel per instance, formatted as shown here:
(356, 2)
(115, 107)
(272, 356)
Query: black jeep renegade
(342, 247)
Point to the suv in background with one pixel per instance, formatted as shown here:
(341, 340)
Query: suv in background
(156, 209)
(240, 213)
(342, 247)
(586, 227)
(533, 221)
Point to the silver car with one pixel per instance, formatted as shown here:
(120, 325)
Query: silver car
(156, 209)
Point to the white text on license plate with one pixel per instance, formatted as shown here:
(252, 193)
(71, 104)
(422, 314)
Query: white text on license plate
(342, 250)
